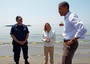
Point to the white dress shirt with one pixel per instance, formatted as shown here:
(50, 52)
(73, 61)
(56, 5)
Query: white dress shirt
(51, 36)
(73, 27)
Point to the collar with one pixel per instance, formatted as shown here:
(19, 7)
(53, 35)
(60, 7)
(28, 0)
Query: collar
(18, 25)
(49, 32)
(67, 15)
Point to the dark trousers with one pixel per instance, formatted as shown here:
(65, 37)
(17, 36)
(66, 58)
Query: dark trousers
(17, 49)
(68, 53)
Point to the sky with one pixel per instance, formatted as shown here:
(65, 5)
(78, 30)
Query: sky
(38, 12)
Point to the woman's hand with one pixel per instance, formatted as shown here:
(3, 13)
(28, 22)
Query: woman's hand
(46, 40)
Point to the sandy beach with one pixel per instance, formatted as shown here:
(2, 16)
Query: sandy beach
(82, 55)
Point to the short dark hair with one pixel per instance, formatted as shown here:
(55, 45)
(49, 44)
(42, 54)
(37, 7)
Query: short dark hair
(64, 4)
(18, 18)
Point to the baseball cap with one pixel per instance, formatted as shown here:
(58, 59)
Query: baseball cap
(18, 18)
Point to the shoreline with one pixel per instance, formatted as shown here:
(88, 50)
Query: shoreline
(82, 55)
(40, 60)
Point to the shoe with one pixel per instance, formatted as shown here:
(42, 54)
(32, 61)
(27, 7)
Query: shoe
(17, 62)
(26, 62)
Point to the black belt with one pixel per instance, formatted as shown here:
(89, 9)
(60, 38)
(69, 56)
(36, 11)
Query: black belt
(65, 40)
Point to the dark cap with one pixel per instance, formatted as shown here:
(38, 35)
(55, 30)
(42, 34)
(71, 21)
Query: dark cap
(18, 18)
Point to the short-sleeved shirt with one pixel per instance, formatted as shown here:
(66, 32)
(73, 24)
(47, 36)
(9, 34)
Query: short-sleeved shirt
(20, 32)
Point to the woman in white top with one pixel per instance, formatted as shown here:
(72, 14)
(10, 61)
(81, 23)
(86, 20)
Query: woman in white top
(49, 40)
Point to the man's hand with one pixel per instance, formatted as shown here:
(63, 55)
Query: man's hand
(24, 42)
(20, 42)
(61, 24)
(68, 43)
(75, 38)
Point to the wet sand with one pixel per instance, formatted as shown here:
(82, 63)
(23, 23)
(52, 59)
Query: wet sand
(82, 55)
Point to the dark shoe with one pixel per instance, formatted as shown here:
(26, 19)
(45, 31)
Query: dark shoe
(26, 62)
(17, 62)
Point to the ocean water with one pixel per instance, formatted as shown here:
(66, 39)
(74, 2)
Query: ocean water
(6, 38)
(35, 35)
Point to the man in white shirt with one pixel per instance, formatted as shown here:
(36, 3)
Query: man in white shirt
(74, 29)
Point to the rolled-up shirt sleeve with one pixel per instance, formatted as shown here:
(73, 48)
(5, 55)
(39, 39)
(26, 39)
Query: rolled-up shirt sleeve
(79, 27)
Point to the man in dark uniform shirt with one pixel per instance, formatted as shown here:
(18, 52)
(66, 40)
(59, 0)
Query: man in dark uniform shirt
(19, 33)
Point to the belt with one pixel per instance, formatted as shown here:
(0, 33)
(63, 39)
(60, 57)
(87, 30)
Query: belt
(65, 40)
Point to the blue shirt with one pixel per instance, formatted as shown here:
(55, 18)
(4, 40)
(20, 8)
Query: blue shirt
(73, 27)
(20, 32)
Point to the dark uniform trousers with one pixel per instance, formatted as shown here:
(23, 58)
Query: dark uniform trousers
(17, 49)
(68, 53)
